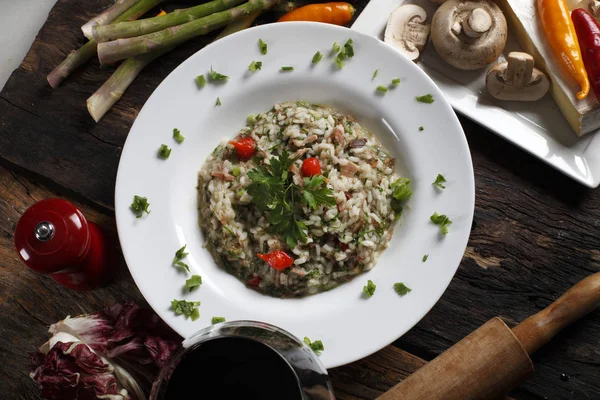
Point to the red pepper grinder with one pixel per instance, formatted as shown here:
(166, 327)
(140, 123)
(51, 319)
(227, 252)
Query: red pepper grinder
(53, 237)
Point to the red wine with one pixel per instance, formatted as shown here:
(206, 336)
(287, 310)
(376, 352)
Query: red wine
(233, 368)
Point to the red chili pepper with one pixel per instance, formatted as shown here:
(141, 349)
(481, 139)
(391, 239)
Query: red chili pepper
(244, 147)
(343, 246)
(311, 167)
(254, 282)
(277, 259)
(588, 34)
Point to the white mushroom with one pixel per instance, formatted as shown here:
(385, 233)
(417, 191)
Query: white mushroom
(407, 31)
(516, 79)
(591, 6)
(469, 34)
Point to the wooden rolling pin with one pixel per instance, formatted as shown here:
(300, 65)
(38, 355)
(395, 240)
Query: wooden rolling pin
(494, 359)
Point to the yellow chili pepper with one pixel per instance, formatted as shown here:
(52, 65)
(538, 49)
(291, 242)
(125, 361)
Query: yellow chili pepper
(560, 32)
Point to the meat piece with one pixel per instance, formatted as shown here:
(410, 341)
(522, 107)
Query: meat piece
(298, 272)
(337, 136)
(304, 142)
(296, 175)
(357, 143)
(389, 162)
(223, 176)
(299, 153)
(349, 169)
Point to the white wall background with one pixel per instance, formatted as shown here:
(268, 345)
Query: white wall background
(20, 21)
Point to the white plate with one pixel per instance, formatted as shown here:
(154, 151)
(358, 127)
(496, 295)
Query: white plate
(349, 326)
(537, 127)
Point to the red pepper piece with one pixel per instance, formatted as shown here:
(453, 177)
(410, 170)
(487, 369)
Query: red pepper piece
(277, 259)
(244, 147)
(253, 282)
(311, 167)
(588, 35)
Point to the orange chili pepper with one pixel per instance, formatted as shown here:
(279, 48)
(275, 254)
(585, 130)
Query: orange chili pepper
(337, 13)
(560, 32)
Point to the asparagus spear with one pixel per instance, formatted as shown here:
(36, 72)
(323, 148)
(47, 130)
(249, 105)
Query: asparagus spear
(109, 52)
(79, 57)
(148, 25)
(107, 16)
(112, 90)
(238, 25)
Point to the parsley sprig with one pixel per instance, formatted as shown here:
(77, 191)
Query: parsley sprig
(439, 181)
(442, 220)
(274, 193)
(140, 206)
(316, 346)
(179, 255)
(188, 308)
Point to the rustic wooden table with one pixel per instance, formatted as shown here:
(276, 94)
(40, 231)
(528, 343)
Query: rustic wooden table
(535, 232)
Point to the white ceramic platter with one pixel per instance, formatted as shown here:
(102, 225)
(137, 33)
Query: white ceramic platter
(350, 326)
(537, 127)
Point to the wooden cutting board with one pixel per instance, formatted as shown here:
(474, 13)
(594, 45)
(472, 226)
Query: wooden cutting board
(49, 133)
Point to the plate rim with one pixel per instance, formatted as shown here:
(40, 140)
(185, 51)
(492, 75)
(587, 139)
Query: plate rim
(468, 217)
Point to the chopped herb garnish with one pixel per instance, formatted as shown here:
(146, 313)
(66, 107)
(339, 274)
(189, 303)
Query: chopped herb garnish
(401, 288)
(395, 81)
(400, 193)
(287, 68)
(179, 255)
(188, 308)
(369, 288)
(274, 193)
(194, 282)
(140, 206)
(254, 66)
(400, 189)
(235, 171)
(217, 320)
(439, 181)
(336, 47)
(421, 128)
(164, 151)
(316, 346)
(426, 98)
(262, 45)
(382, 89)
(375, 74)
(179, 138)
(349, 48)
(317, 57)
(251, 119)
(201, 81)
(218, 103)
(425, 257)
(215, 76)
(339, 60)
(441, 220)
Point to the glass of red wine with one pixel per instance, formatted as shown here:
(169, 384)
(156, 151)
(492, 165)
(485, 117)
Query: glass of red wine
(243, 360)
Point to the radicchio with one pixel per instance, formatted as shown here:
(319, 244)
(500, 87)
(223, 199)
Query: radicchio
(81, 359)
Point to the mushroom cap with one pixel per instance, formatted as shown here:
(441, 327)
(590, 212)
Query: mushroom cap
(407, 31)
(460, 36)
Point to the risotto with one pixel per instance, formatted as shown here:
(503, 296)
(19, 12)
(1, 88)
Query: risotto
(302, 199)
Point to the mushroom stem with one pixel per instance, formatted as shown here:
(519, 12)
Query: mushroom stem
(517, 79)
(519, 70)
(477, 23)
